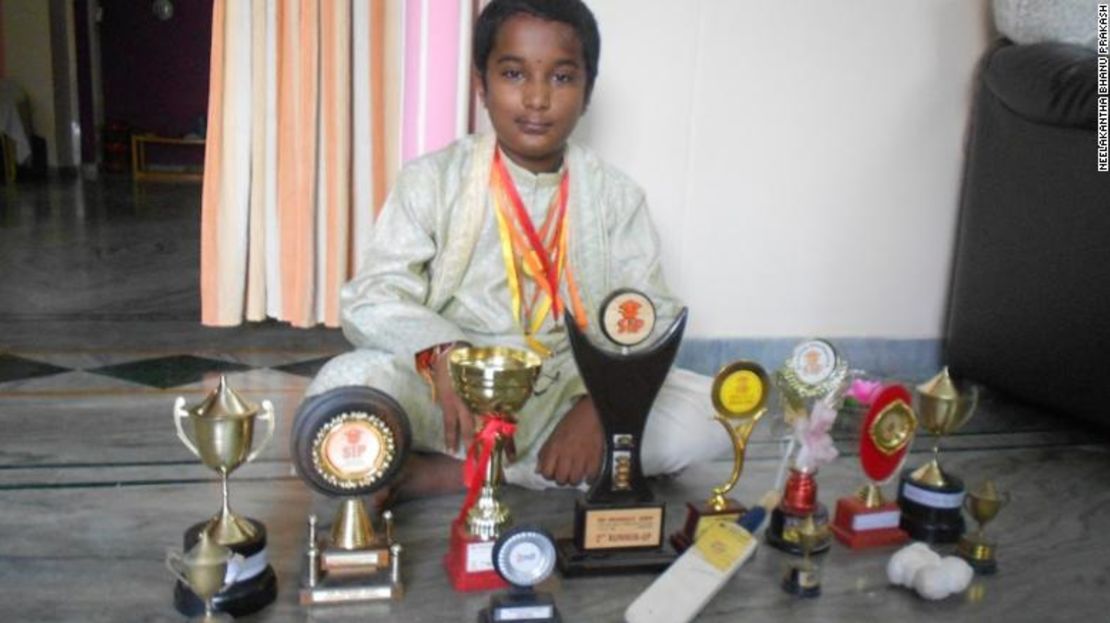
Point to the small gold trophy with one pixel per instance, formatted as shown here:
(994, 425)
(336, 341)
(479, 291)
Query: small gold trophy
(348, 442)
(493, 382)
(740, 392)
(222, 427)
(982, 503)
(931, 498)
(805, 580)
(204, 570)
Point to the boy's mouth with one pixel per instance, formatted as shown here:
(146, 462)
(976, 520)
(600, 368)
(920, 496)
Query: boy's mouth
(528, 126)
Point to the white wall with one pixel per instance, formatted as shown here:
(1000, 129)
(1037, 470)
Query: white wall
(28, 61)
(802, 159)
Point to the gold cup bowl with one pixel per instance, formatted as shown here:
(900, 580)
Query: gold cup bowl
(493, 382)
(223, 438)
(494, 379)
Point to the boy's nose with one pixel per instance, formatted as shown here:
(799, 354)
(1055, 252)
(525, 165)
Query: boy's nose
(537, 96)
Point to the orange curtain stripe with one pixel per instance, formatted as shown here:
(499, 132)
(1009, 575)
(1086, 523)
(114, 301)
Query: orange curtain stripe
(210, 196)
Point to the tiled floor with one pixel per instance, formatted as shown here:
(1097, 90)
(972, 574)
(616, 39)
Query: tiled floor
(98, 335)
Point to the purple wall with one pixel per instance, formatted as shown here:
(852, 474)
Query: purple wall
(155, 73)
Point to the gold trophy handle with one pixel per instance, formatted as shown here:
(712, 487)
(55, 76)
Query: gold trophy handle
(967, 411)
(179, 413)
(176, 564)
(739, 437)
(268, 417)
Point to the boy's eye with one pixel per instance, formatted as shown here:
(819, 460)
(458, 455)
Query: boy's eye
(564, 78)
(512, 74)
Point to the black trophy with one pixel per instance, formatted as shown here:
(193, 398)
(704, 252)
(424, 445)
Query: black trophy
(523, 556)
(349, 442)
(618, 527)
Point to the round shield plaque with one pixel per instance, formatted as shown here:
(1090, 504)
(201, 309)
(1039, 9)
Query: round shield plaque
(887, 432)
(740, 389)
(524, 556)
(627, 317)
(813, 362)
(349, 440)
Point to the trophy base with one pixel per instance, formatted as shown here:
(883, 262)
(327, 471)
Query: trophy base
(860, 527)
(700, 517)
(930, 513)
(612, 539)
(978, 554)
(782, 531)
(527, 606)
(378, 586)
(246, 595)
(354, 576)
(801, 582)
(469, 561)
(575, 562)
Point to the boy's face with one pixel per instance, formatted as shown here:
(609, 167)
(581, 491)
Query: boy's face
(534, 89)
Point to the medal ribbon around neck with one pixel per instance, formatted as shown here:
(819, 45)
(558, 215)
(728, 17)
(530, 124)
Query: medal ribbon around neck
(543, 262)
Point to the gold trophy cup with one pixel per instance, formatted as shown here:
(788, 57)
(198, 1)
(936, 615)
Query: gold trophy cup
(805, 580)
(493, 382)
(982, 503)
(204, 570)
(740, 397)
(931, 498)
(222, 436)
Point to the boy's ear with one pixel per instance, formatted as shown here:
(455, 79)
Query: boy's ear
(478, 84)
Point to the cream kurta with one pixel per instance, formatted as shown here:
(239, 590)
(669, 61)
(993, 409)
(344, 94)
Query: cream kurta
(434, 274)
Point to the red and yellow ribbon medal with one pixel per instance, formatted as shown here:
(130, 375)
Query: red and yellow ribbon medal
(541, 256)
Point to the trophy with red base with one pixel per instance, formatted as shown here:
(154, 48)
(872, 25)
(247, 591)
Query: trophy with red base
(740, 398)
(866, 519)
(811, 383)
(494, 382)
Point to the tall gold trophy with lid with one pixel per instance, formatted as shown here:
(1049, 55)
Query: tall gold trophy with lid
(932, 498)
(220, 430)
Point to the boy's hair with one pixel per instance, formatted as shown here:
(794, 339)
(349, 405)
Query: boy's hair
(571, 12)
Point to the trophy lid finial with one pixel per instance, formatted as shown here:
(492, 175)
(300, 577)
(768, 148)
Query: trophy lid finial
(940, 387)
(224, 402)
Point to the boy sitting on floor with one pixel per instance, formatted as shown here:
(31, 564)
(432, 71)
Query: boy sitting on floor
(444, 268)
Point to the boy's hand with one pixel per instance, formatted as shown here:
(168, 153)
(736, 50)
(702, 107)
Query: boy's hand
(458, 421)
(573, 451)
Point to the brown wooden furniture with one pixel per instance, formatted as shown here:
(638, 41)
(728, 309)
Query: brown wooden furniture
(139, 166)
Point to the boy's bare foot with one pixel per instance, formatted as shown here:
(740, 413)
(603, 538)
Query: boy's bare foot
(422, 475)
(573, 451)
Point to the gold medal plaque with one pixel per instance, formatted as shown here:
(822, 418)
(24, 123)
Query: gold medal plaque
(353, 450)
(893, 428)
(740, 389)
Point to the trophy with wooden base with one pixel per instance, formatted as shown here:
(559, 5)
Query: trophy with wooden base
(810, 383)
(349, 442)
(523, 556)
(493, 382)
(931, 498)
(982, 503)
(740, 392)
(866, 519)
(618, 527)
(220, 431)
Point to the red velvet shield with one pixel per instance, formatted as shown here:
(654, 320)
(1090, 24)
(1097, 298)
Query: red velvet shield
(877, 464)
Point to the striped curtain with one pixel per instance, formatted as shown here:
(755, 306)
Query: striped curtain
(313, 106)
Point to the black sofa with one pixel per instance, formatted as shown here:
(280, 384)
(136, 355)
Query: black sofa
(1029, 306)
